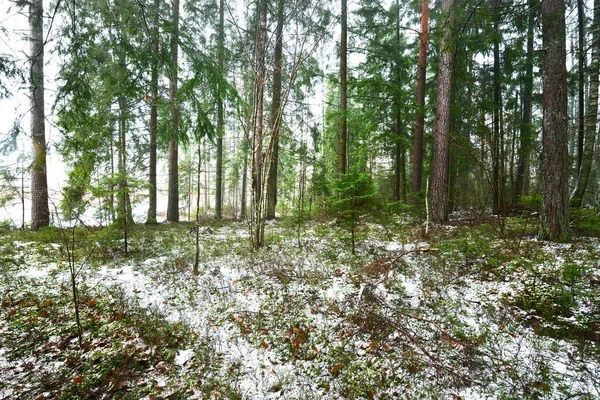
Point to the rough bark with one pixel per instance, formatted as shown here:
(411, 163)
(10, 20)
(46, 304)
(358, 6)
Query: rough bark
(526, 134)
(591, 114)
(343, 134)
(40, 212)
(438, 195)
(555, 216)
(220, 120)
(151, 219)
(276, 113)
(417, 161)
(173, 196)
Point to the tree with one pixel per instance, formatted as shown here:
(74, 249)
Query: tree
(40, 212)
(153, 112)
(526, 130)
(220, 121)
(257, 126)
(276, 112)
(343, 133)
(173, 197)
(555, 218)
(438, 195)
(591, 115)
(417, 161)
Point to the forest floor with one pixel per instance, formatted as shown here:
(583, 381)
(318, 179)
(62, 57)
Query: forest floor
(472, 310)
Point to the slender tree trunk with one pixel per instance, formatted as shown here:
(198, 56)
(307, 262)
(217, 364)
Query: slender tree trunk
(526, 136)
(257, 218)
(417, 162)
(153, 115)
(40, 212)
(438, 195)
(497, 105)
(173, 197)
(276, 113)
(580, 82)
(220, 120)
(343, 134)
(555, 218)
(591, 114)
(244, 194)
(400, 173)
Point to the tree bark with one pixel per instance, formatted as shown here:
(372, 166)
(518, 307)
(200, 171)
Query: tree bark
(151, 219)
(591, 114)
(276, 114)
(438, 195)
(526, 134)
(417, 162)
(173, 197)
(220, 120)
(40, 212)
(343, 134)
(555, 218)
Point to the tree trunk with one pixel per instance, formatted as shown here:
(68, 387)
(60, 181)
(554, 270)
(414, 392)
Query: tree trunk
(276, 114)
(417, 162)
(400, 173)
(151, 219)
(438, 196)
(40, 212)
(173, 197)
(497, 105)
(526, 136)
(591, 114)
(257, 220)
(220, 121)
(343, 134)
(580, 82)
(555, 218)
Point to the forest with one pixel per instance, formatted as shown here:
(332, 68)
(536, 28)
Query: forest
(299, 199)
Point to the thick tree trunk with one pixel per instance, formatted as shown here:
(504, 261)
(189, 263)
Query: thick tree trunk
(173, 197)
(220, 119)
(276, 114)
(417, 161)
(526, 136)
(257, 222)
(151, 219)
(400, 173)
(555, 218)
(343, 134)
(40, 212)
(591, 114)
(438, 195)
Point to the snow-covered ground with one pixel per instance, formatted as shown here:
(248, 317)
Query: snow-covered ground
(402, 319)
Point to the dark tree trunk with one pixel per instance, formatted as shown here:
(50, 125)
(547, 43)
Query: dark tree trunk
(151, 219)
(220, 119)
(343, 134)
(526, 135)
(417, 161)
(173, 197)
(40, 212)
(438, 195)
(400, 173)
(276, 114)
(555, 218)
(591, 114)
